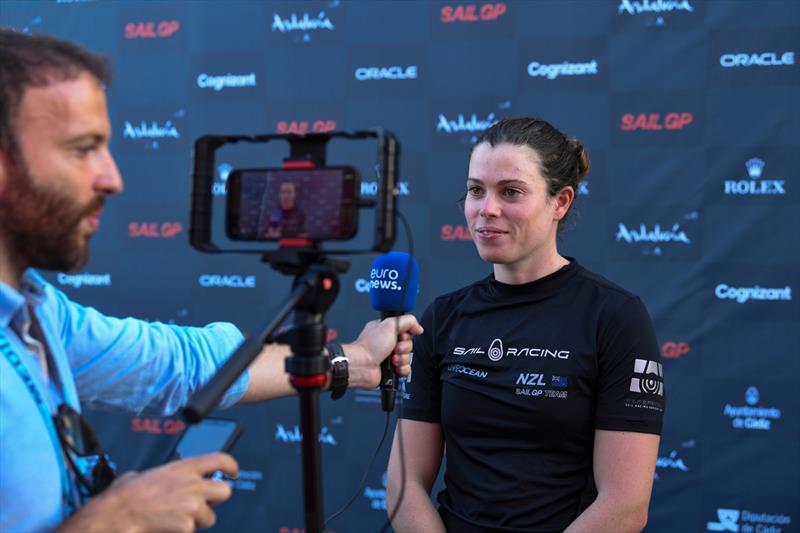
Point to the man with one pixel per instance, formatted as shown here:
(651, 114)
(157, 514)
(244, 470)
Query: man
(55, 171)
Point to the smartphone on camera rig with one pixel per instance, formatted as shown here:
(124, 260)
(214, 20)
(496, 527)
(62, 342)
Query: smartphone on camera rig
(303, 203)
(298, 205)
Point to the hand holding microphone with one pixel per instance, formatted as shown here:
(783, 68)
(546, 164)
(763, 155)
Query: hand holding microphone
(393, 289)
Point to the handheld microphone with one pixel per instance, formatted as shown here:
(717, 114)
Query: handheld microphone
(393, 288)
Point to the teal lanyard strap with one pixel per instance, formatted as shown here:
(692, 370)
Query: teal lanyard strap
(16, 362)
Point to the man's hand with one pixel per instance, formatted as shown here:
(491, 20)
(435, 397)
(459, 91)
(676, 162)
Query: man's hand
(377, 341)
(176, 497)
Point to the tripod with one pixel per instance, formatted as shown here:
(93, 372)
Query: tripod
(315, 287)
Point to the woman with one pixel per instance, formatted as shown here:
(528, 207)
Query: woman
(542, 381)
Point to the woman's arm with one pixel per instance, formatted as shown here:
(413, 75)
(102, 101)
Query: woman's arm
(423, 444)
(624, 466)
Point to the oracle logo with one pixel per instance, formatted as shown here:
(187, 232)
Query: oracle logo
(154, 229)
(152, 30)
(655, 121)
(674, 349)
(386, 73)
(458, 232)
(472, 12)
(301, 127)
(763, 59)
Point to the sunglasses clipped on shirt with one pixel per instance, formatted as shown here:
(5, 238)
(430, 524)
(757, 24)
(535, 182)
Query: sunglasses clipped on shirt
(77, 436)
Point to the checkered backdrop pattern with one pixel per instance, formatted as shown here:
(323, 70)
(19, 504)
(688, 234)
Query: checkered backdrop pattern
(688, 109)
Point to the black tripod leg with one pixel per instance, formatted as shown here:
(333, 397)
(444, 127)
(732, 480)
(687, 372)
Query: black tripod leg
(312, 463)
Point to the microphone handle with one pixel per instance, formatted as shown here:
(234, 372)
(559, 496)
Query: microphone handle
(388, 376)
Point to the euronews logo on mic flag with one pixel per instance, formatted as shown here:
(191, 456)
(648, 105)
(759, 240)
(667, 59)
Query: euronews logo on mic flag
(393, 283)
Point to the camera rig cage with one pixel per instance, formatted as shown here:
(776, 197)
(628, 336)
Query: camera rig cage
(305, 151)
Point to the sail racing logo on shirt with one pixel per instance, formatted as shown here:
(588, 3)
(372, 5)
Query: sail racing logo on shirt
(495, 352)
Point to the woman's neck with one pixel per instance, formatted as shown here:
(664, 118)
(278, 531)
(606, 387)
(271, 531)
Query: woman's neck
(532, 270)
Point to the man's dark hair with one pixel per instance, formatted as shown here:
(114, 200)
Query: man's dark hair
(38, 61)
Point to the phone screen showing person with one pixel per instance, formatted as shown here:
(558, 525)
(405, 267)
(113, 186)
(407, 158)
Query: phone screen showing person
(274, 204)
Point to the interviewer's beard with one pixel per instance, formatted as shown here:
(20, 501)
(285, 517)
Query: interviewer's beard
(42, 227)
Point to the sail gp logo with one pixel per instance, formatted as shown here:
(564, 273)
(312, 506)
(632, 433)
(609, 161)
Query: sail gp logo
(472, 12)
(305, 23)
(654, 121)
(459, 232)
(152, 30)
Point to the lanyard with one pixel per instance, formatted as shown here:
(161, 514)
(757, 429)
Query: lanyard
(30, 385)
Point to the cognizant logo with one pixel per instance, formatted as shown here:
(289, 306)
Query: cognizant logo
(554, 70)
(229, 281)
(84, 279)
(741, 295)
(208, 81)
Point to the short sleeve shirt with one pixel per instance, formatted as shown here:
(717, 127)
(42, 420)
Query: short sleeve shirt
(520, 377)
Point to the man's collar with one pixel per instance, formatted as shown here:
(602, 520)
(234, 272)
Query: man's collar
(32, 288)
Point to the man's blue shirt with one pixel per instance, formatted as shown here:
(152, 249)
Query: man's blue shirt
(101, 362)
